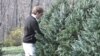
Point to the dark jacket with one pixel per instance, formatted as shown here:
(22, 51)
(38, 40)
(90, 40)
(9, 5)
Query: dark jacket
(30, 26)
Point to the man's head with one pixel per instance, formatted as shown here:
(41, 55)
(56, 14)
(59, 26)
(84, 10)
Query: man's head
(37, 11)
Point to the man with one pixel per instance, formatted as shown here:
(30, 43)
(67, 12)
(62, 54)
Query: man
(30, 28)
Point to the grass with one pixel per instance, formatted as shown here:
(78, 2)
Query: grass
(13, 51)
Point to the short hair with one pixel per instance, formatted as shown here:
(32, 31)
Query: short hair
(37, 9)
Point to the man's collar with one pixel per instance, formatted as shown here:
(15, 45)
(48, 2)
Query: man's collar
(34, 16)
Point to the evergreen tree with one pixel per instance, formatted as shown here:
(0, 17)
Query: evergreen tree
(70, 31)
(57, 27)
(88, 38)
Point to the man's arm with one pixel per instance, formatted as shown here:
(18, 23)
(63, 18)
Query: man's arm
(36, 28)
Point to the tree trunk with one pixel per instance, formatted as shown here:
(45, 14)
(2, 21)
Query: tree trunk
(31, 4)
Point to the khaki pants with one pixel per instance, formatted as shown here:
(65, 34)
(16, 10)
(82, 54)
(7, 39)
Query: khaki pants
(29, 49)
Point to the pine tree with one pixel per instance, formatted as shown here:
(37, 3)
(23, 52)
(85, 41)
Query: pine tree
(70, 31)
(57, 27)
(88, 38)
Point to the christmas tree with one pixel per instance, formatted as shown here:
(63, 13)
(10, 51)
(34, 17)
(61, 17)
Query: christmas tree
(88, 38)
(70, 31)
